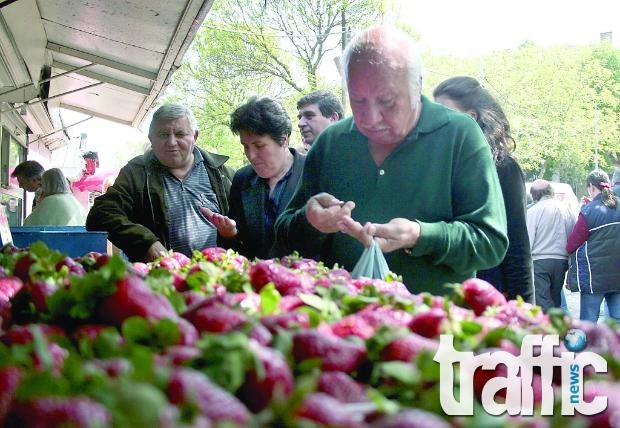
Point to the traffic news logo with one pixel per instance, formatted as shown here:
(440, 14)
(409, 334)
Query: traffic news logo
(518, 384)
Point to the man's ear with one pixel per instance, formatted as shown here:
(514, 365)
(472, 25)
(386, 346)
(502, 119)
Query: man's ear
(334, 117)
(196, 135)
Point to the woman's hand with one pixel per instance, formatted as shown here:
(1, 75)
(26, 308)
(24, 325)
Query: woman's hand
(324, 211)
(226, 227)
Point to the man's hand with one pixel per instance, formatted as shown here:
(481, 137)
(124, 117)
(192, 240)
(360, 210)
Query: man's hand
(356, 230)
(324, 211)
(156, 251)
(226, 227)
(398, 233)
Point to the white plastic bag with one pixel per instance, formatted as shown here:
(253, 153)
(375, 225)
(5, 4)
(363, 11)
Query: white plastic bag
(371, 264)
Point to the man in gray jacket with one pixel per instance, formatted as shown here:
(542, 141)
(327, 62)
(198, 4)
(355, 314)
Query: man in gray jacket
(154, 204)
(549, 223)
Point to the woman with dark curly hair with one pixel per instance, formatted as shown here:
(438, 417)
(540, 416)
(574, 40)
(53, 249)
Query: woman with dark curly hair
(594, 245)
(513, 276)
(260, 190)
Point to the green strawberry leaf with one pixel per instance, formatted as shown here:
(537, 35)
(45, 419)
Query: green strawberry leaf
(269, 299)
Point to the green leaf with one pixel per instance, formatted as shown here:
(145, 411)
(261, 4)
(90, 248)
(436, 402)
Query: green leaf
(269, 299)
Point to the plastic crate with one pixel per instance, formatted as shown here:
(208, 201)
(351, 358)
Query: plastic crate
(73, 241)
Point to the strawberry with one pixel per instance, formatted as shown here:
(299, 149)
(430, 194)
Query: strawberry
(51, 412)
(217, 318)
(73, 267)
(9, 286)
(286, 280)
(287, 320)
(480, 295)
(22, 267)
(378, 315)
(428, 323)
(181, 258)
(408, 347)
(179, 355)
(275, 380)
(188, 387)
(133, 297)
(411, 418)
(353, 325)
(170, 263)
(50, 359)
(342, 387)
(140, 268)
(39, 291)
(335, 353)
(325, 410)
(214, 254)
(22, 334)
(10, 378)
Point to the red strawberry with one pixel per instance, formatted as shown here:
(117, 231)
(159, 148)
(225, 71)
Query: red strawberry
(22, 334)
(142, 269)
(214, 254)
(181, 258)
(342, 387)
(72, 266)
(325, 410)
(285, 280)
(169, 263)
(275, 380)
(191, 387)
(179, 355)
(408, 347)
(22, 267)
(479, 295)
(53, 360)
(217, 318)
(113, 367)
(48, 412)
(287, 320)
(39, 291)
(10, 378)
(189, 333)
(335, 353)
(9, 286)
(412, 418)
(378, 315)
(133, 297)
(428, 323)
(353, 325)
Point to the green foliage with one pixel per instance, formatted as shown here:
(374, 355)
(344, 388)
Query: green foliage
(562, 103)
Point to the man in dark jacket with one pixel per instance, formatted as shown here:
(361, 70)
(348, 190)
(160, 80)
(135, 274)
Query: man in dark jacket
(154, 204)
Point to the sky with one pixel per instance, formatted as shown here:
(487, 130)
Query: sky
(451, 27)
(470, 27)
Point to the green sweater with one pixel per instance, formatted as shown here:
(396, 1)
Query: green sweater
(61, 209)
(442, 176)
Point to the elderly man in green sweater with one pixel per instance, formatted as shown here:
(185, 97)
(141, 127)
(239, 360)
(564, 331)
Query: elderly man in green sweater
(416, 177)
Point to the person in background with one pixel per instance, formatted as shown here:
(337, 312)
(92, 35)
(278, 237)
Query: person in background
(513, 276)
(57, 205)
(413, 175)
(549, 223)
(594, 245)
(615, 181)
(260, 190)
(28, 174)
(316, 111)
(154, 204)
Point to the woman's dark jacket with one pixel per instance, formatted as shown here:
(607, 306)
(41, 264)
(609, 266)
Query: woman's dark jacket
(133, 210)
(248, 196)
(513, 276)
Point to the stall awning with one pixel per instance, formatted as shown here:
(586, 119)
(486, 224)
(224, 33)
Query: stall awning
(106, 58)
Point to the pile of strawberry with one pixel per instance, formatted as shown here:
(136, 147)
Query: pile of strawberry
(218, 340)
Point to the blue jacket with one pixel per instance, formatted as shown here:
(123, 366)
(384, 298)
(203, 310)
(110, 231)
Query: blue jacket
(595, 266)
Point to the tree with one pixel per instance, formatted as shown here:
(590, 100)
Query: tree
(278, 48)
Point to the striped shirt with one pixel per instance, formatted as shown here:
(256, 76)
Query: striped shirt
(189, 229)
